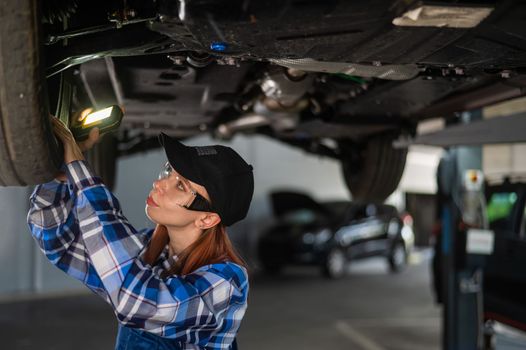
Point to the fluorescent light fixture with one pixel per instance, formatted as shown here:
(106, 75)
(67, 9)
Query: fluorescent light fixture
(97, 116)
(443, 16)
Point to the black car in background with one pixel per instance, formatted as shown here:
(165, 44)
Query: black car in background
(329, 234)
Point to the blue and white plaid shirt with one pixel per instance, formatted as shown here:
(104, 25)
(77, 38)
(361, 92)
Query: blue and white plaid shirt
(80, 227)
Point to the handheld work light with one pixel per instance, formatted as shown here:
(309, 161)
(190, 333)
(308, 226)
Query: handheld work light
(106, 119)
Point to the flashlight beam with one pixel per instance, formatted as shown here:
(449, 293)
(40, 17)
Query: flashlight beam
(97, 116)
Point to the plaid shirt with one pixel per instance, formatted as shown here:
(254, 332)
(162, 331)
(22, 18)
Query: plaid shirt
(80, 227)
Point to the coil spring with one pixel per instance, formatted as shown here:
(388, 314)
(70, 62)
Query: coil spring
(54, 11)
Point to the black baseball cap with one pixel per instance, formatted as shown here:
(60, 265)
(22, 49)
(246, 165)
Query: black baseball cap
(228, 179)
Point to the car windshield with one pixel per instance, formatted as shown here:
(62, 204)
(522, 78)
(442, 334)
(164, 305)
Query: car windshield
(338, 208)
(499, 209)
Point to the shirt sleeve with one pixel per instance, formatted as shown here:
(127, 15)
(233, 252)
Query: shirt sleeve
(54, 225)
(170, 307)
(55, 228)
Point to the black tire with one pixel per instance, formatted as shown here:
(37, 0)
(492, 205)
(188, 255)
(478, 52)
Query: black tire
(103, 159)
(372, 171)
(335, 264)
(397, 257)
(29, 152)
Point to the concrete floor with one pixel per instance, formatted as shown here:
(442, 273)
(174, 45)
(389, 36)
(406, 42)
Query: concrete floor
(370, 309)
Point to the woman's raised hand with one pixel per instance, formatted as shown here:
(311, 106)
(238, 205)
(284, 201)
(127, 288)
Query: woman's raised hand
(72, 149)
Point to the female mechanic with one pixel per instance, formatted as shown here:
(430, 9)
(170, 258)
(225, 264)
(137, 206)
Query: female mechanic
(178, 286)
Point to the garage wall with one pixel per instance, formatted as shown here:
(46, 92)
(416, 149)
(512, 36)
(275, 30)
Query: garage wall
(505, 159)
(16, 245)
(420, 171)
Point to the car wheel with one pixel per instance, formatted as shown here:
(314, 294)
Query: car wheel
(372, 171)
(103, 158)
(397, 257)
(29, 152)
(335, 264)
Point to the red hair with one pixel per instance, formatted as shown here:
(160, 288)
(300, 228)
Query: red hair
(213, 246)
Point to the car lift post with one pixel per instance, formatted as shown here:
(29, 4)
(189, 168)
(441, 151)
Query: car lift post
(462, 276)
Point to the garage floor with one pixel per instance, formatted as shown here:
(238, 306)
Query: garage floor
(368, 310)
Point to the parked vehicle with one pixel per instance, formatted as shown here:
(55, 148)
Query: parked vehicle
(504, 274)
(330, 234)
(340, 79)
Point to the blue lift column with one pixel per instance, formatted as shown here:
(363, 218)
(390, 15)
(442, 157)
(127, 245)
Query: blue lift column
(461, 275)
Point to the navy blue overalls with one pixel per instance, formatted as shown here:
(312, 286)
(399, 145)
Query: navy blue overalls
(136, 339)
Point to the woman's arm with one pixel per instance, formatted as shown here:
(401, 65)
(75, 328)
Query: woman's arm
(55, 228)
(53, 219)
(205, 300)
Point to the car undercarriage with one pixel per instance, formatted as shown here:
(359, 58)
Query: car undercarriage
(342, 79)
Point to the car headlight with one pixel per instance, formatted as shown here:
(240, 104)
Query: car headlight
(393, 228)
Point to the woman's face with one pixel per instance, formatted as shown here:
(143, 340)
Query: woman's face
(166, 200)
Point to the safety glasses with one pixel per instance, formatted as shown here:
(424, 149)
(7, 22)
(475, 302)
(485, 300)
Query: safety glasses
(199, 202)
